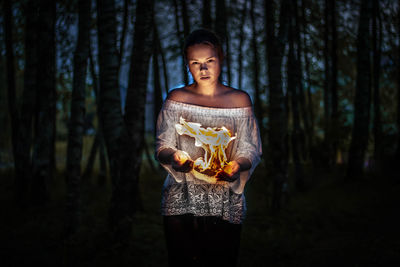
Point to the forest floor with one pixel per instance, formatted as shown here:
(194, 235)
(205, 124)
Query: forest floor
(333, 223)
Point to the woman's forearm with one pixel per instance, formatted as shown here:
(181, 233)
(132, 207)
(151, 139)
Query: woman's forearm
(244, 164)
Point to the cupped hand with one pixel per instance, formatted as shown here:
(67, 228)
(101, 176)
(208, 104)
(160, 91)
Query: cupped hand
(181, 161)
(229, 172)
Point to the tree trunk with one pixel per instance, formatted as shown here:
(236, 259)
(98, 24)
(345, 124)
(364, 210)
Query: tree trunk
(11, 94)
(293, 89)
(334, 90)
(125, 192)
(28, 105)
(44, 133)
(101, 181)
(123, 34)
(149, 159)
(157, 93)
(93, 151)
(109, 95)
(186, 32)
(180, 38)
(11, 97)
(164, 66)
(277, 114)
(99, 135)
(206, 19)
(376, 50)
(310, 110)
(255, 70)
(360, 132)
(185, 18)
(241, 41)
(303, 144)
(397, 155)
(86, 177)
(76, 122)
(327, 153)
(221, 25)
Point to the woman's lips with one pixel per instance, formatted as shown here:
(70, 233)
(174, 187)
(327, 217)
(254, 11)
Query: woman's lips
(205, 78)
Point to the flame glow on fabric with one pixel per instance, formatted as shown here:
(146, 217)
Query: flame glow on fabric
(214, 141)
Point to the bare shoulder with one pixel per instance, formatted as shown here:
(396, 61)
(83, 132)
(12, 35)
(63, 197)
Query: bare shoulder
(239, 98)
(178, 94)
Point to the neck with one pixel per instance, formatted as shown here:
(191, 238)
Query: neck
(208, 89)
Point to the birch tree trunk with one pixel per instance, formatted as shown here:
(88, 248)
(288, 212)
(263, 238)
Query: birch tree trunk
(277, 135)
(293, 90)
(86, 176)
(28, 104)
(11, 97)
(76, 122)
(125, 192)
(98, 144)
(185, 18)
(376, 52)
(327, 93)
(186, 32)
(310, 110)
(164, 66)
(157, 93)
(44, 133)
(221, 29)
(334, 87)
(255, 70)
(303, 139)
(360, 132)
(398, 82)
(109, 95)
(102, 178)
(241, 41)
(206, 19)
(123, 33)
(180, 38)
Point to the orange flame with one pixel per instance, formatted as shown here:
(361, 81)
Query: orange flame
(214, 141)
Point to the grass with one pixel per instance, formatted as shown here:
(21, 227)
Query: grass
(333, 223)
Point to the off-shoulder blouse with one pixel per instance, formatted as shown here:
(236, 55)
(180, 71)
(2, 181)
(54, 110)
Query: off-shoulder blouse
(182, 192)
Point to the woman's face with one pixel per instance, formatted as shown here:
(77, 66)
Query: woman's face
(204, 64)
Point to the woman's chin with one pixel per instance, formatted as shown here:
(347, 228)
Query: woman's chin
(206, 80)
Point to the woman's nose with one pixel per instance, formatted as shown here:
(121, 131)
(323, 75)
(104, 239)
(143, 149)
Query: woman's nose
(203, 66)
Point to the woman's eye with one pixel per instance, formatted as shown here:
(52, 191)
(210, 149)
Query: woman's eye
(195, 63)
(210, 60)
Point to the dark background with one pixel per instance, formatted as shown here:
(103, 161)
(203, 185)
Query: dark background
(81, 84)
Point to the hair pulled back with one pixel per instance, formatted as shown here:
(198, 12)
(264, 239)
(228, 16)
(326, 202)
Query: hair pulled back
(203, 36)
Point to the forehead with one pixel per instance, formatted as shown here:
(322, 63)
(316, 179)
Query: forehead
(201, 51)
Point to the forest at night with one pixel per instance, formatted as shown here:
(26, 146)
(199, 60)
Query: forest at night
(82, 83)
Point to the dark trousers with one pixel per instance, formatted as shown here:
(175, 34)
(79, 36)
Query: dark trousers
(201, 241)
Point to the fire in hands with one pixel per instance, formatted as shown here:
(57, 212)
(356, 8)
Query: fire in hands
(214, 141)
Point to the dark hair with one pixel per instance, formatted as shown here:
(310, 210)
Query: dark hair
(203, 36)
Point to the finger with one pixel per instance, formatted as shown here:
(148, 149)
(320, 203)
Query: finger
(183, 167)
(225, 179)
(223, 176)
(187, 166)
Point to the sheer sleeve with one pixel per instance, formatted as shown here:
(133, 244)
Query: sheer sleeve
(248, 146)
(166, 137)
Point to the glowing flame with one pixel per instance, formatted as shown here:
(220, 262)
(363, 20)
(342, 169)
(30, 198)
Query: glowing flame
(214, 141)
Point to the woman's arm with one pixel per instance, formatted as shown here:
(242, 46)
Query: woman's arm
(165, 155)
(180, 160)
(232, 170)
(244, 164)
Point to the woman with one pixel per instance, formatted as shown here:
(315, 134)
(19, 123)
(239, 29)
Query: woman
(203, 216)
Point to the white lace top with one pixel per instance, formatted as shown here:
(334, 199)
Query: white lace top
(182, 192)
